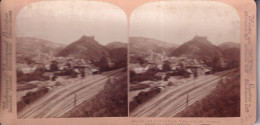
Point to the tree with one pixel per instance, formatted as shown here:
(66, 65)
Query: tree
(141, 60)
(166, 66)
(215, 64)
(54, 66)
(103, 64)
(29, 61)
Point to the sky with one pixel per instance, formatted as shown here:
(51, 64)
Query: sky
(179, 21)
(66, 21)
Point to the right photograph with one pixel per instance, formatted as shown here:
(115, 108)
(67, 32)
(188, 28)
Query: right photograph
(184, 60)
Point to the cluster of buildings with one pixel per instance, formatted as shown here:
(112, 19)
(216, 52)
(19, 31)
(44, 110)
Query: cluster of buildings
(187, 67)
(55, 66)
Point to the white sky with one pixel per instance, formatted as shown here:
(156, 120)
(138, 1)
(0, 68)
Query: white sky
(179, 21)
(66, 21)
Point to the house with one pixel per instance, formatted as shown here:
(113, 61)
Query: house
(28, 69)
(84, 70)
(47, 66)
(189, 73)
(160, 67)
(175, 67)
(141, 69)
(47, 76)
(208, 71)
(63, 67)
(197, 69)
(95, 71)
(160, 75)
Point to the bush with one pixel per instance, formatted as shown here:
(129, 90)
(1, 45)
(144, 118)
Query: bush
(139, 87)
(103, 64)
(31, 97)
(36, 75)
(141, 78)
(26, 87)
(171, 84)
(149, 75)
(20, 105)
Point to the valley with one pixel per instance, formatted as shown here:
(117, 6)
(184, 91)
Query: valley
(167, 79)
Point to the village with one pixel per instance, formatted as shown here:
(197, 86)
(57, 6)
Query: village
(51, 67)
(156, 73)
(172, 66)
(38, 75)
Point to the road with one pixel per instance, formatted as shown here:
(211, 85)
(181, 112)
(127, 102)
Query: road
(59, 101)
(171, 102)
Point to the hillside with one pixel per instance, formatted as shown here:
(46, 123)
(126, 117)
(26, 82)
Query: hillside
(30, 47)
(110, 102)
(118, 53)
(115, 45)
(86, 47)
(230, 51)
(198, 47)
(119, 56)
(227, 45)
(142, 45)
(224, 101)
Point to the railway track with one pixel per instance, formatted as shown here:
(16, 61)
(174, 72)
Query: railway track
(58, 102)
(173, 101)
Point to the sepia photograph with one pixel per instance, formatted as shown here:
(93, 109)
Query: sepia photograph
(128, 62)
(71, 60)
(184, 60)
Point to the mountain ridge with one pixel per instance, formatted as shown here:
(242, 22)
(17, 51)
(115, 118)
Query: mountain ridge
(199, 47)
(116, 44)
(29, 46)
(86, 47)
(143, 45)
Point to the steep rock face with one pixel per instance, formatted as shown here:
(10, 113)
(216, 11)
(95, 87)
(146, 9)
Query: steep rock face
(142, 45)
(86, 47)
(198, 47)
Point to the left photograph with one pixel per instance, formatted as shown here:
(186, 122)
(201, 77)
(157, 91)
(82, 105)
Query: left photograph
(71, 60)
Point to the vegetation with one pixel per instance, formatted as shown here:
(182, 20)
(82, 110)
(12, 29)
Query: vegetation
(31, 97)
(54, 66)
(206, 50)
(224, 101)
(119, 57)
(171, 84)
(138, 59)
(86, 48)
(110, 102)
(143, 97)
(166, 66)
(36, 75)
(103, 64)
(26, 87)
(148, 75)
(139, 87)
